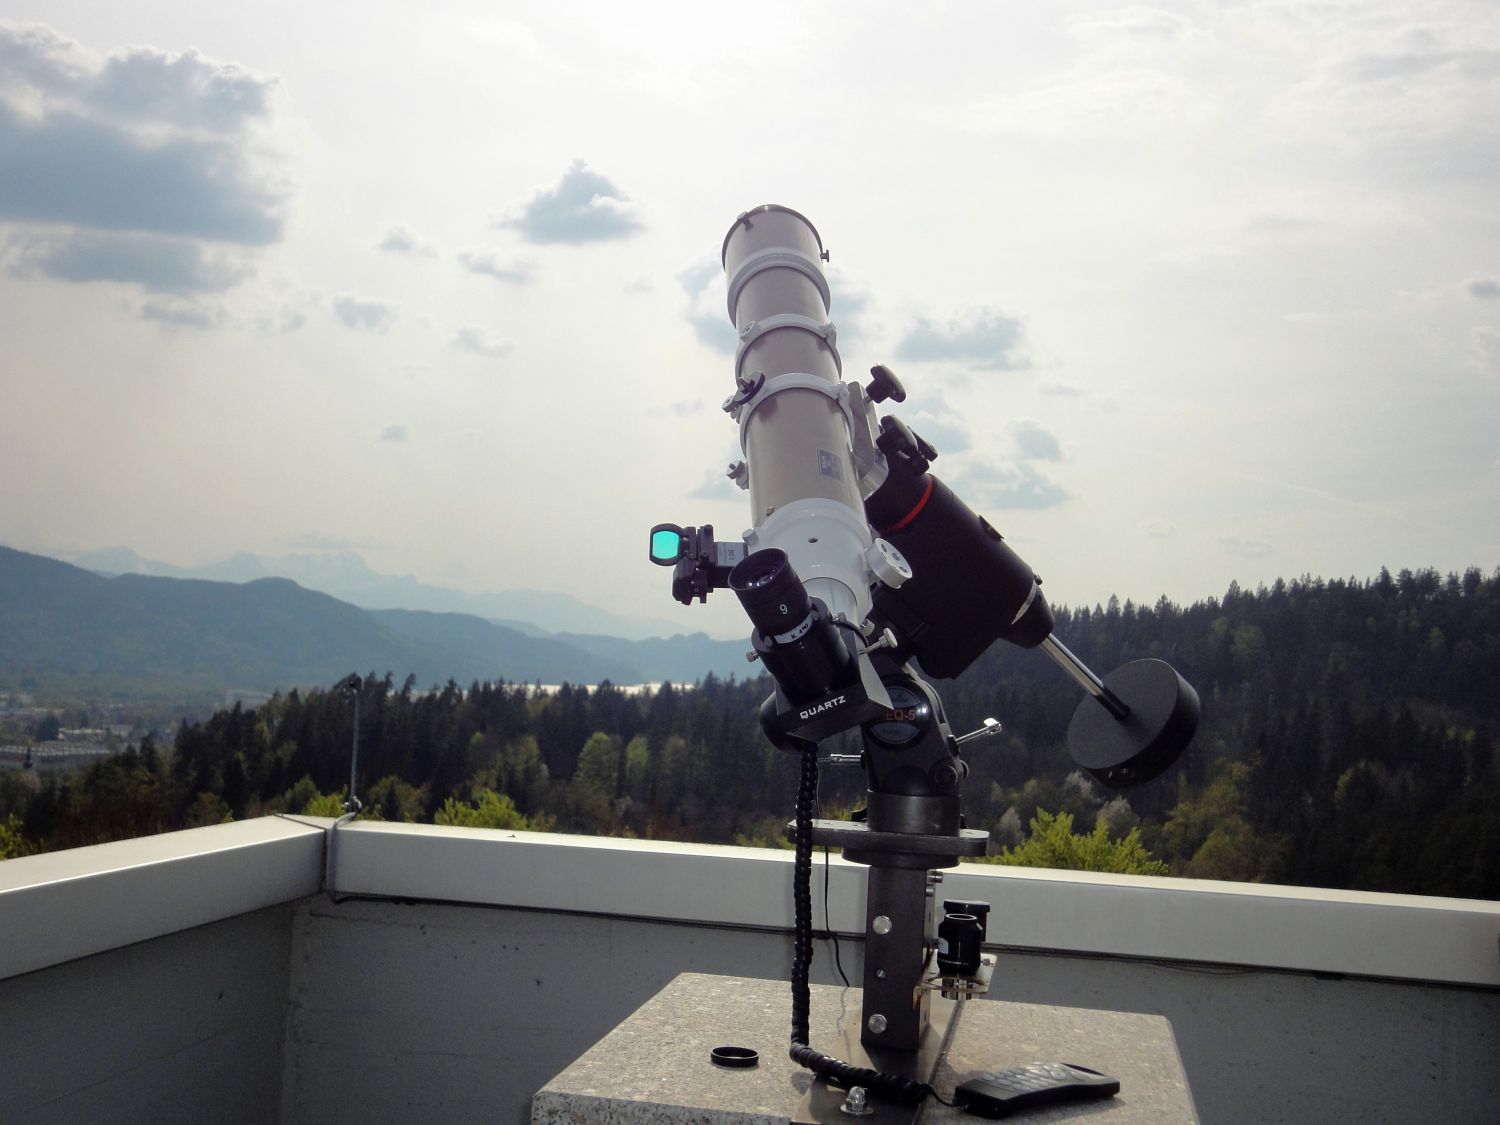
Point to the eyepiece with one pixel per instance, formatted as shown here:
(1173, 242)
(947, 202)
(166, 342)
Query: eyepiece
(794, 637)
(772, 594)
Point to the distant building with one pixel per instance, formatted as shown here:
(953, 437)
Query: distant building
(56, 755)
(82, 734)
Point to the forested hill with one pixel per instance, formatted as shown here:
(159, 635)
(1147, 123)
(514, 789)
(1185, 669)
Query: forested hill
(1347, 735)
(1347, 741)
(1417, 642)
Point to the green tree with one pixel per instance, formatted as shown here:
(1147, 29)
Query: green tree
(12, 839)
(600, 765)
(300, 795)
(1208, 834)
(1053, 843)
(519, 771)
(637, 763)
(395, 800)
(490, 810)
(325, 804)
(207, 809)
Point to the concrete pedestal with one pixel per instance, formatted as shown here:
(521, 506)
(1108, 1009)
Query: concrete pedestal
(655, 1067)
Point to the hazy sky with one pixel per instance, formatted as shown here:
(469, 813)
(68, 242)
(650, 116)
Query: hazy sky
(1182, 293)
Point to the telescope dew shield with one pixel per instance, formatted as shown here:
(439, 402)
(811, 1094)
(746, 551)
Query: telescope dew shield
(804, 492)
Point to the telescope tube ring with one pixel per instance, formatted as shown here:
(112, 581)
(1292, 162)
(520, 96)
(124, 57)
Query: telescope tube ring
(775, 257)
(824, 330)
(742, 412)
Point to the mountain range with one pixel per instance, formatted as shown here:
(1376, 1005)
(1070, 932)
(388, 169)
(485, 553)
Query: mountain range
(65, 629)
(347, 576)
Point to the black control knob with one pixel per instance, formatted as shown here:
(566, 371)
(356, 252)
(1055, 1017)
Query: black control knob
(884, 385)
(899, 443)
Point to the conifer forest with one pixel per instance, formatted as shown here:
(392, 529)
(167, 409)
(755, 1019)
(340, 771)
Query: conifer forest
(1347, 741)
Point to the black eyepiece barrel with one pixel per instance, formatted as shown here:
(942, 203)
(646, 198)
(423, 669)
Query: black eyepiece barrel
(794, 637)
(772, 594)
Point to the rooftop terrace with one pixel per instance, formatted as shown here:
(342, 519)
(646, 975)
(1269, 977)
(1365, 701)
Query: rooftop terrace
(285, 970)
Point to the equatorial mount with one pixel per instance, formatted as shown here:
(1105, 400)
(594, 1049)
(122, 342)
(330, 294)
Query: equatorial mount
(864, 576)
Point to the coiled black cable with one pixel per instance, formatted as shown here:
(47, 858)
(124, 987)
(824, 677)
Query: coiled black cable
(891, 1086)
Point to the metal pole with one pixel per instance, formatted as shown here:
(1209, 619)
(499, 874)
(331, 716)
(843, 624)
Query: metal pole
(352, 804)
(1084, 677)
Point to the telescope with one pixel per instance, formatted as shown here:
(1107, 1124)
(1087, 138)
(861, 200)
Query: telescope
(865, 577)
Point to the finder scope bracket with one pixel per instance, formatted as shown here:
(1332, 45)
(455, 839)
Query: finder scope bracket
(700, 562)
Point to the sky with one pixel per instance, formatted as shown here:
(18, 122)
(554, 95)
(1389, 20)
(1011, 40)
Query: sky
(1183, 294)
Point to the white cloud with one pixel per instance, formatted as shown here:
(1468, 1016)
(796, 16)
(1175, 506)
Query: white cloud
(1138, 21)
(935, 422)
(158, 150)
(1417, 99)
(983, 338)
(1245, 548)
(182, 314)
(1009, 485)
(850, 313)
(367, 315)
(400, 240)
(708, 310)
(716, 485)
(67, 169)
(479, 342)
(1035, 442)
(490, 265)
(1486, 344)
(395, 434)
(110, 145)
(584, 206)
(155, 262)
(1143, 102)
(187, 89)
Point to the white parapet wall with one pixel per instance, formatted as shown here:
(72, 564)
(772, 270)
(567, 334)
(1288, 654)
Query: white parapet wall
(66, 905)
(1299, 929)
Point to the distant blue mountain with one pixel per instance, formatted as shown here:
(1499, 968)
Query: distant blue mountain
(346, 576)
(69, 630)
(681, 659)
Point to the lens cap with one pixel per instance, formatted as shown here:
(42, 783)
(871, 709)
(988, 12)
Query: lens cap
(734, 1056)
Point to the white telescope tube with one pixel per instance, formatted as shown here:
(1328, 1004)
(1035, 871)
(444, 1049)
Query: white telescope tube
(804, 493)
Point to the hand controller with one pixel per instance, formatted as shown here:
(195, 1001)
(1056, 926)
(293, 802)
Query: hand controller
(1004, 1092)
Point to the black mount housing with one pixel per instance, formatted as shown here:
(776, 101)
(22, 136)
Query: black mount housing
(950, 548)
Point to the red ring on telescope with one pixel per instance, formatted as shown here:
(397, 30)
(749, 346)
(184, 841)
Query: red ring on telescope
(916, 511)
